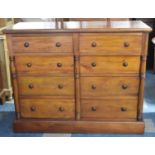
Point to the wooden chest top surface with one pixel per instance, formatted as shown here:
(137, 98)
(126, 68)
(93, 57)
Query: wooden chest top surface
(76, 26)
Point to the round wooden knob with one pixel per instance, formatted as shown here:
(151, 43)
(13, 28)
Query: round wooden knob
(31, 86)
(59, 64)
(93, 87)
(58, 44)
(26, 44)
(93, 108)
(93, 64)
(123, 109)
(29, 64)
(124, 86)
(125, 64)
(60, 86)
(33, 108)
(61, 109)
(93, 44)
(126, 44)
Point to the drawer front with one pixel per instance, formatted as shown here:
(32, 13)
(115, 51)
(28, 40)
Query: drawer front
(45, 64)
(55, 43)
(111, 43)
(46, 85)
(47, 108)
(109, 109)
(109, 64)
(109, 86)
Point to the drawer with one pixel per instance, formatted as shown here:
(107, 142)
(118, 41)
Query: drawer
(109, 109)
(42, 43)
(109, 64)
(34, 85)
(111, 43)
(109, 86)
(47, 108)
(45, 64)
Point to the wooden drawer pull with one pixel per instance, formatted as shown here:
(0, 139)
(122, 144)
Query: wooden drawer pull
(93, 109)
(123, 109)
(29, 64)
(58, 44)
(93, 87)
(125, 64)
(126, 44)
(93, 64)
(93, 44)
(26, 44)
(59, 64)
(31, 86)
(60, 86)
(124, 86)
(33, 108)
(61, 109)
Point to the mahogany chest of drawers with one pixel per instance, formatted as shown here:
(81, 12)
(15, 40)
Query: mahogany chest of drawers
(78, 76)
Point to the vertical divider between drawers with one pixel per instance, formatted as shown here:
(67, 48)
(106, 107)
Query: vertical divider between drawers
(77, 74)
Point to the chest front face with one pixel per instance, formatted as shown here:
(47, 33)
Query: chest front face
(79, 79)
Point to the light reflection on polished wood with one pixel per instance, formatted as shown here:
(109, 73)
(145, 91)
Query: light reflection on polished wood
(71, 26)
